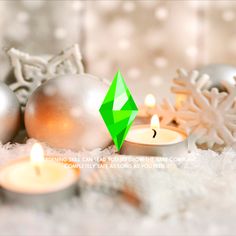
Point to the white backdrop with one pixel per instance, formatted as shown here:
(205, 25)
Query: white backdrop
(146, 39)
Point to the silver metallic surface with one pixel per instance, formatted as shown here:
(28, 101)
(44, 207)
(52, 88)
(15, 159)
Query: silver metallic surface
(39, 200)
(135, 149)
(64, 112)
(44, 201)
(9, 114)
(219, 73)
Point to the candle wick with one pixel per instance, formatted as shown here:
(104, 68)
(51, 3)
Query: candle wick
(155, 133)
(37, 170)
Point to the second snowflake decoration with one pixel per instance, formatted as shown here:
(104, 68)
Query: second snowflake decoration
(208, 115)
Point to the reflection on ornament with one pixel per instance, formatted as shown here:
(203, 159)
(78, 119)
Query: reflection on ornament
(31, 71)
(64, 112)
(9, 114)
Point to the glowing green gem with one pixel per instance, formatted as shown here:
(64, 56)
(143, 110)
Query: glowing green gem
(118, 110)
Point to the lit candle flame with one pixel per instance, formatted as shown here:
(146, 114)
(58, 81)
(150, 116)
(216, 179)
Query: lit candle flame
(150, 101)
(155, 123)
(37, 157)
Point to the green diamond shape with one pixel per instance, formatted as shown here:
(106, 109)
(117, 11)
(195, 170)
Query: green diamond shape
(118, 110)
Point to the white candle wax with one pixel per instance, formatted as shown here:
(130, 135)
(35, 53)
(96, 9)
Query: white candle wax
(20, 176)
(143, 134)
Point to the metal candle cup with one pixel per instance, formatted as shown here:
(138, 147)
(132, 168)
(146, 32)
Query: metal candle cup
(133, 146)
(40, 186)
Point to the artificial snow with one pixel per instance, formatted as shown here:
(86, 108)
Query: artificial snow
(190, 195)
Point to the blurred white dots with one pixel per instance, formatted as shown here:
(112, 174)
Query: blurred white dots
(91, 20)
(124, 44)
(161, 13)
(160, 62)
(13, 34)
(101, 67)
(92, 50)
(134, 73)
(107, 6)
(198, 4)
(191, 51)
(60, 33)
(228, 15)
(155, 81)
(129, 6)
(153, 38)
(22, 17)
(77, 5)
(148, 4)
(122, 27)
(150, 100)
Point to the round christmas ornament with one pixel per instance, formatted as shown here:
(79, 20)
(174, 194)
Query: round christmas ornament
(219, 73)
(64, 112)
(9, 114)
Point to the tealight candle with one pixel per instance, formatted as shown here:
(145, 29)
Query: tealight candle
(146, 110)
(153, 140)
(37, 181)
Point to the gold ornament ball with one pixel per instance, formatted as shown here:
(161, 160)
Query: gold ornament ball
(64, 112)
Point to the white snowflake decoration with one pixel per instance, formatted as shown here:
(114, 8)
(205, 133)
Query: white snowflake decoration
(32, 71)
(210, 116)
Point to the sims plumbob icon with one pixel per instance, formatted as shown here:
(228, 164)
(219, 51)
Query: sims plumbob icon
(118, 110)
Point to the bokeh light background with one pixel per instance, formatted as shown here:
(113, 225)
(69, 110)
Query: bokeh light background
(148, 40)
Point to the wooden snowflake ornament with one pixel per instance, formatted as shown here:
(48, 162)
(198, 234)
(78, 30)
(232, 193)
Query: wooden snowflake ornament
(32, 71)
(209, 115)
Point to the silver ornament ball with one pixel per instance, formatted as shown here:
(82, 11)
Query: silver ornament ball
(219, 73)
(9, 114)
(64, 112)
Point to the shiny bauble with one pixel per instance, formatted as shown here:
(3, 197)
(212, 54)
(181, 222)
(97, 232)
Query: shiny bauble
(64, 112)
(219, 73)
(9, 114)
